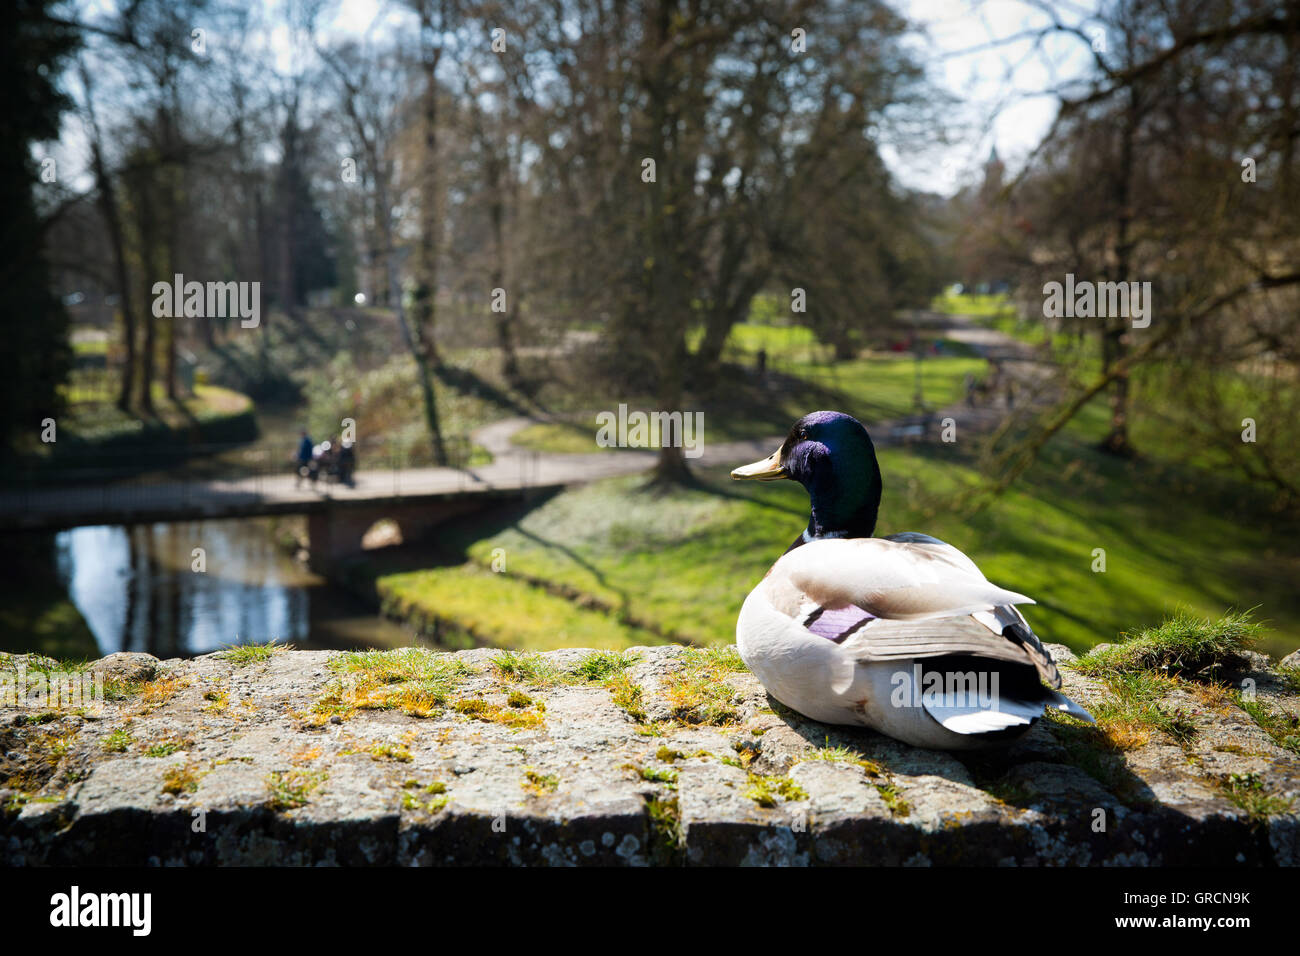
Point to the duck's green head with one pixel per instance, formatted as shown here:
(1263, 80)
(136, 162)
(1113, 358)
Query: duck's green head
(831, 455)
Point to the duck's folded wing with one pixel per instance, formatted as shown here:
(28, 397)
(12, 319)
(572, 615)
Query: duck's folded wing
(899, 580)
(886, 640)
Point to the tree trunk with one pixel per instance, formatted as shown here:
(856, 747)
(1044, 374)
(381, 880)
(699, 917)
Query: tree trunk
(149, 260)
(671, 468)
(504, 320)
(1115, 334)
(421, 364)
(171, 174)
(113, 223)
(424, 296)
(107, 199)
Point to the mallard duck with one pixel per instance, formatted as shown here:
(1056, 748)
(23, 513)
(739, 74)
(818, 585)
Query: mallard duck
(903, 634)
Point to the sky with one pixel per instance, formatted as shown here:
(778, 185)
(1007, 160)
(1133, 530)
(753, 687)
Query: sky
(999, 87)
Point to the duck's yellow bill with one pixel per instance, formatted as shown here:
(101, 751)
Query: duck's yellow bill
(769, 469)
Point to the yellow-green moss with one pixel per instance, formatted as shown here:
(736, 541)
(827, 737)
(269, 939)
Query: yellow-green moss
(769, 791)
(478, 708)
(243, 654)
(540, 784)
(289, 789)
(181, 779)
(1247, 791)
(117, 741)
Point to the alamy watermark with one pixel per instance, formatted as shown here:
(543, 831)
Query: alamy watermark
(54, 690)
(75, 908)
(212, 300)
(1099, 300)
(919, 687)
(626, 429)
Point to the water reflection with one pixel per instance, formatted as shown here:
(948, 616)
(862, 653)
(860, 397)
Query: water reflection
(139, 589)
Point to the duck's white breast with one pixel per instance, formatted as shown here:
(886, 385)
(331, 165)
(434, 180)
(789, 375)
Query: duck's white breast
(797, 668)
(817, 678)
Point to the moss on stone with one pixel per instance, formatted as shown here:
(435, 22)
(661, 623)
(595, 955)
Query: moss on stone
(540, 784)
(664, 819)
(168, 746)
(181, 779)
(628, 696)
(117, 741)
(1183, 644)
(769, 791)
(893, 799)
(698, 691)
(289, 789)
(1246, 790)
(242, 655)
(380, 750)
(600, 666)
(655, 775)
(478, 708)
(518, 698)
(532, 669)
(842, 754)
(159, 692)
(1281, 726)
(412, 680)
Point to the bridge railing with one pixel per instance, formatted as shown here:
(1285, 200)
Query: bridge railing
(238, 477)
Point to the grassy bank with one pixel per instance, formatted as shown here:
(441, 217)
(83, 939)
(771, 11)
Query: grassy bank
(682, 563)
(101, 439)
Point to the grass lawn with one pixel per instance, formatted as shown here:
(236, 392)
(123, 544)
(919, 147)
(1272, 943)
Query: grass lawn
(1000, 313)
(683, 562)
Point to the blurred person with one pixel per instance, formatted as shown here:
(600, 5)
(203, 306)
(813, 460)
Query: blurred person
(303, 459)
(347, 462)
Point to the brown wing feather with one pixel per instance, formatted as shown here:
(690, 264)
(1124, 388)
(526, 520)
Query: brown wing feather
(886, 640)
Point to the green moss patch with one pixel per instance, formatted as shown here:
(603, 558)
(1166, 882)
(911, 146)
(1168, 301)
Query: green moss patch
(1246, 790)
(413, 680)
(540, 784)
(289, 789)
(1183, 645)
(769, 791)
(183, 779)
(243, 654)
(698, 691)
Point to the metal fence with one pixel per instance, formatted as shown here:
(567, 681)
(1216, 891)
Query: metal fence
(214, 478)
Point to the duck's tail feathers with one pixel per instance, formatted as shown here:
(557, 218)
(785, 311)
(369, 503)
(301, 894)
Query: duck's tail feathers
(1019, 632)
(1065, 705)
(1001, 714)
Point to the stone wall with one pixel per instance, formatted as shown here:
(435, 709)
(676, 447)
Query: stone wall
(665, 755)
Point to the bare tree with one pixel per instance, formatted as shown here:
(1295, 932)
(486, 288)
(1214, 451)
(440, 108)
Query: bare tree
(1149, 173)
